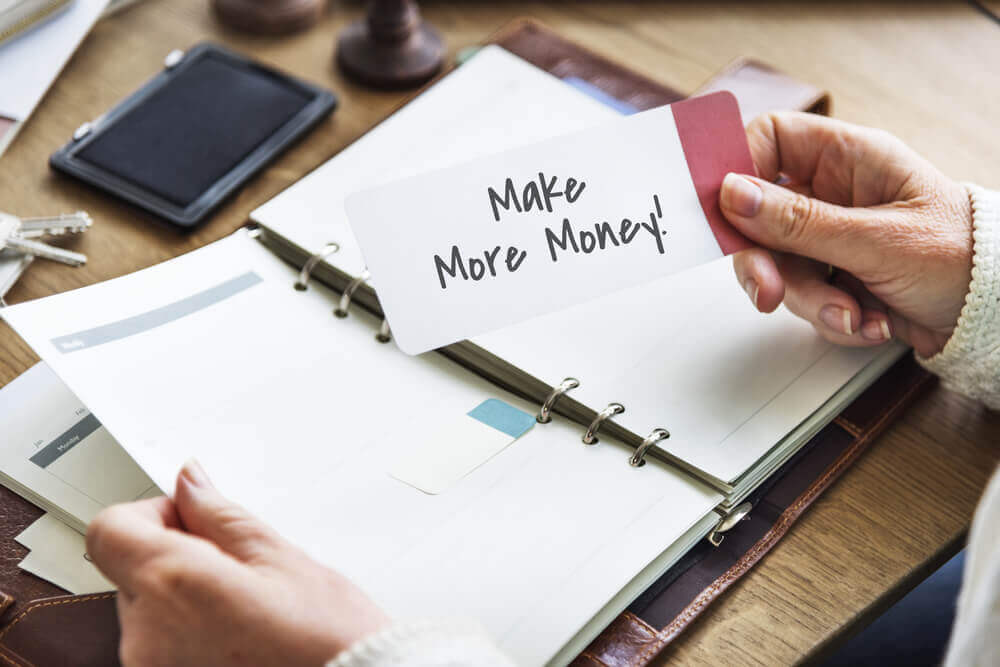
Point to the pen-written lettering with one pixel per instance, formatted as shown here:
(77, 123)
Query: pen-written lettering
(537, 195)
(605, 234)
(477, 269)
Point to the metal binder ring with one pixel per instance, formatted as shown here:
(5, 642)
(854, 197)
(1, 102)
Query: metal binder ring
(384, 335)
(590, 437)
(543, 415)
(302, 283)
(639, 457)
(345, 298)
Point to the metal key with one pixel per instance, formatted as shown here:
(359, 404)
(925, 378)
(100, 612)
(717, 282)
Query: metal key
(10, 238)
(45, 251)
(64, 223)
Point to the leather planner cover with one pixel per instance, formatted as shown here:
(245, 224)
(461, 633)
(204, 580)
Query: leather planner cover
(41, 626)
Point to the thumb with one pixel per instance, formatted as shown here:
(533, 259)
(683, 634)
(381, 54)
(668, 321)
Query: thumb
(781, 219)
(206, 513)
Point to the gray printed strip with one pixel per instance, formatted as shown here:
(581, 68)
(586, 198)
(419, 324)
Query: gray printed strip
(154, 318)
(65, 442)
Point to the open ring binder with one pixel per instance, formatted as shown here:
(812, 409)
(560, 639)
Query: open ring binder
(544, 416)
(345, 298)
(639, 457)
(302, 283)
(590, 437)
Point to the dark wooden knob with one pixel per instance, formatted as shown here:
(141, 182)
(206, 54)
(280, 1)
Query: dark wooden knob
(274, 17)
(391, 48)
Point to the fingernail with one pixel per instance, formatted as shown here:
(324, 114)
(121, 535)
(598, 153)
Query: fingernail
(837, 318)
(877, 330)
(195, 474)
(752, 289)
(742, 196)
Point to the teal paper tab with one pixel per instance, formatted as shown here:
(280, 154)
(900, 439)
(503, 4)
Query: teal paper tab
(504, 417)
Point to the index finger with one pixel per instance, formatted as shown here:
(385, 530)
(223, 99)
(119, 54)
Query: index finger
(813, 150)
(124, 537)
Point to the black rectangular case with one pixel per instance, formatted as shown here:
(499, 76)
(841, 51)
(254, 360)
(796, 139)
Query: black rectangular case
(193, 134)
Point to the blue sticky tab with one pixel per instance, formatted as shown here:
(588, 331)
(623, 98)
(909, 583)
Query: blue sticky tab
(502, 416)
(598, 94)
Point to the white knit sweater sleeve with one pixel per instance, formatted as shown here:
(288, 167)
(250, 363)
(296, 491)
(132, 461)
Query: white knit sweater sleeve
(424, 644)
(970, 364)
(970, 361)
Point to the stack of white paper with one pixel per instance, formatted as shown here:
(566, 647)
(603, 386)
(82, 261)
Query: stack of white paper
(30, 62)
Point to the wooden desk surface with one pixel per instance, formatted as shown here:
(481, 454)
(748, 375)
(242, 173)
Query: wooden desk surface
(925, 72)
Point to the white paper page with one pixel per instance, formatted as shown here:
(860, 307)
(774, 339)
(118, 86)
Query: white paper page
(298, 415)
(689, 353)
(12, 265)
(493, 102)
(59, 555)
(57, 453)
(30, 62)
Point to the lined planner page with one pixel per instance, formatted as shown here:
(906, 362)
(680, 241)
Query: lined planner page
(689, 353)
(300, 415)
(493, 102)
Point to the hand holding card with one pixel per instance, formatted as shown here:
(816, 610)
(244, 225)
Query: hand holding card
(469, 249)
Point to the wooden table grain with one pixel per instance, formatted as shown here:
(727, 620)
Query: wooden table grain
(924, 71)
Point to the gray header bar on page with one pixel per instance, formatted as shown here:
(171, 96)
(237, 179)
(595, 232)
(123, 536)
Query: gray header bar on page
(130, 326)
(65, 442)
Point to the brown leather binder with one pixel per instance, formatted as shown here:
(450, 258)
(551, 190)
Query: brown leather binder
(42, 629)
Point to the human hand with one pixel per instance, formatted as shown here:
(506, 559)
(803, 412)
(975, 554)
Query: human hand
(202, 582)
(897, 229)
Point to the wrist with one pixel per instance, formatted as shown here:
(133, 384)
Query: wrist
(970, 360)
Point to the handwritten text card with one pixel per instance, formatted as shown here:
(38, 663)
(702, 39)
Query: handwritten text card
(473, 248)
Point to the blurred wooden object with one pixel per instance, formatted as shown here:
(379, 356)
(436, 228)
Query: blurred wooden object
(924, 71)
(274, 17)
(993, 7)
(391, 48)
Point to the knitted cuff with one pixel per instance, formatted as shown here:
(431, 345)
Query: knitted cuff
(424, 644)
(970, 361)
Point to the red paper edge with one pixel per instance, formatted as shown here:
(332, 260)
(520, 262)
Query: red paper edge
(715, 143)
